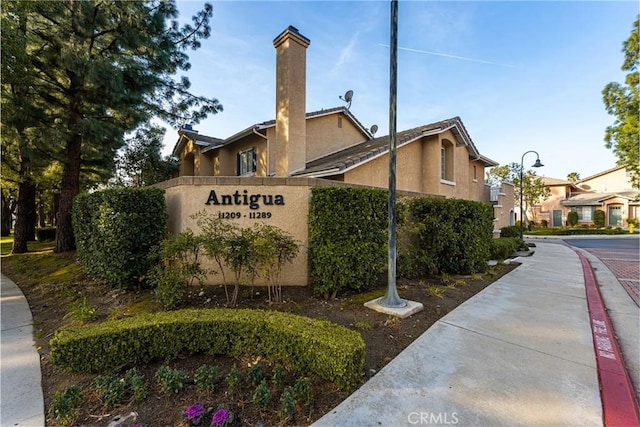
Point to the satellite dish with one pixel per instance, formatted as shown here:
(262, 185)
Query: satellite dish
(373, 129)
(348, 96)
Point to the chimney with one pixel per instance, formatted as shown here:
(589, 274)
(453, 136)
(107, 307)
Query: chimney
(291, 126)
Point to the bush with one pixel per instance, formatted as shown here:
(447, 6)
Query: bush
(598, 218)
(510, 231)
(544, 223)
(178, 268)
(448, 235)
(205, 377)
(307, 345)
(504, 246)
(65, 404)
(577, 231)
(572, 219)
(262, 395)
(115, 231)
(111, 390)
(46, 234)
(347, 238)
(171, 380)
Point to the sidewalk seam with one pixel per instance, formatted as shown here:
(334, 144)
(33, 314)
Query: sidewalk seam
(516, 345)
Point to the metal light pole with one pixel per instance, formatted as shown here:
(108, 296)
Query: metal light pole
(537, 164)
(391, 298)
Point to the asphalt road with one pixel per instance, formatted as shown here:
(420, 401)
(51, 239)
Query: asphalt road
(620, 255)
(620, 244)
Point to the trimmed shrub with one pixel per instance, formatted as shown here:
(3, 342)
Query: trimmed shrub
(307, 345)
(510, 231)
(578, 231)
(115, 231)
(46, 234)
(504, 246)
(347, 238)
(598, 218)
(572, 219)
(448, 235)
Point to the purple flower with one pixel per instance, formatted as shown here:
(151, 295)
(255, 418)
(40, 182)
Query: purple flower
(220, 418)
(194, 411)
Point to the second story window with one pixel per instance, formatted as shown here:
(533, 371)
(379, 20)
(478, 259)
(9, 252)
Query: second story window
(246, 162)
(446, 161)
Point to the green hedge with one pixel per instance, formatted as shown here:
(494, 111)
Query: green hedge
(46, 234)
(510, 231)
(347, 238)
(504, 246)
(115, 230)
(447, 235)
(307, 345)
(576, 231)
(599, 218)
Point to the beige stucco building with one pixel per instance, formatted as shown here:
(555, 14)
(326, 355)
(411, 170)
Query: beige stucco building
(610, 191)
(298, 149)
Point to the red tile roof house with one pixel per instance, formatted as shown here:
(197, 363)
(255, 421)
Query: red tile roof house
(610, 191)
(299, 149)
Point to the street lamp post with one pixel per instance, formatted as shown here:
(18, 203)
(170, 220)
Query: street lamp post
(537, 164)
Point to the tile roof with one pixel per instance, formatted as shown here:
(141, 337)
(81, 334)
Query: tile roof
(340, 161)
(596, 199)
(613, 169)
(554, 181)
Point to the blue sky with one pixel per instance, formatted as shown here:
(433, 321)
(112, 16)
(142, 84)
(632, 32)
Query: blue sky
(521, 75)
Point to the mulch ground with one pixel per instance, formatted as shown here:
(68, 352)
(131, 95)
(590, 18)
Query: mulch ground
(53, 306)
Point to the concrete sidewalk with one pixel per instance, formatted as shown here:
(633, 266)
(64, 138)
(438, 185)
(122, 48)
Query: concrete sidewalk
(21, 401)
(520, 352)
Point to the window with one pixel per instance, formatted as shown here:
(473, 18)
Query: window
(475, 173)
(446, 161)
(585, 213)
(247, 162)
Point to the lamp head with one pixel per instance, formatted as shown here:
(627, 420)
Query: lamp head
(537, 164)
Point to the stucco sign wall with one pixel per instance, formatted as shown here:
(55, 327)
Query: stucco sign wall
(283, 203)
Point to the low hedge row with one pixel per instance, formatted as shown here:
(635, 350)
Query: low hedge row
(307, 345)
(576, 231)
(504, 246)
(45, 234)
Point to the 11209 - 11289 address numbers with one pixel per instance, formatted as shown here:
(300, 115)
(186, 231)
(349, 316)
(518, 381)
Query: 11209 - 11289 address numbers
(250, 215)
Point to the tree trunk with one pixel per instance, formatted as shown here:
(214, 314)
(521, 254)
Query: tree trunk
(55, 204)
(32, 214)
(6, 216)
(23, 231)
(42, 219)
(69, 189)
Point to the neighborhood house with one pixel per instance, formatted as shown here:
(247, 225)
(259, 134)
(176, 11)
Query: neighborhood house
(265, 172)
(610, 191)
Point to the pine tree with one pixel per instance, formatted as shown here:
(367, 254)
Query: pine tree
(101, 69)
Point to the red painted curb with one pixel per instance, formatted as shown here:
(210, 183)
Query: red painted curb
(619, 405)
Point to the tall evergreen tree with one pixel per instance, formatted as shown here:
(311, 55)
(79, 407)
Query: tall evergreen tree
(623, 102)
(101, 68)
(141, 163)
(22, 110)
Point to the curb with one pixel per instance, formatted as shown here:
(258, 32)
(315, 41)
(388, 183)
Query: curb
(619, 405)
